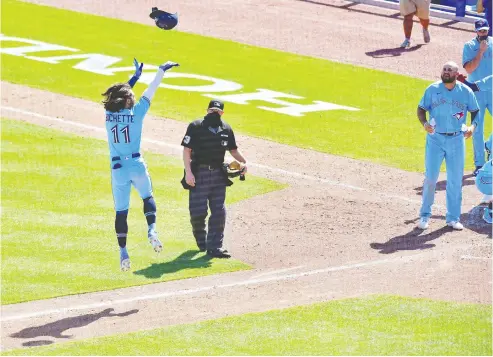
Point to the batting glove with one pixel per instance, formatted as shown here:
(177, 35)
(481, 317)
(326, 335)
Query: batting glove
(138, 69)
(168, 65)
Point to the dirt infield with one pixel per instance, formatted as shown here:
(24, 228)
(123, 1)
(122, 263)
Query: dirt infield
(345, 230)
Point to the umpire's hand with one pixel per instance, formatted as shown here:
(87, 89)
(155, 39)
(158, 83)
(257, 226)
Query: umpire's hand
(190, 179)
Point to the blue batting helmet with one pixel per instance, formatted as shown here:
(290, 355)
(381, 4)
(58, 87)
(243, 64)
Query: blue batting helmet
(164, 20)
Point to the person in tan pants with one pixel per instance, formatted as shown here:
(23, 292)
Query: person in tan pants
(420, 8)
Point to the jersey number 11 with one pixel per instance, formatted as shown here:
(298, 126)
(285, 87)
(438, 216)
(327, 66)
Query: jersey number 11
(126, 132)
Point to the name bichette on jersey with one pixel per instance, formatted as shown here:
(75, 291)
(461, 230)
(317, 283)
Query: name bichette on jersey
(120, 118)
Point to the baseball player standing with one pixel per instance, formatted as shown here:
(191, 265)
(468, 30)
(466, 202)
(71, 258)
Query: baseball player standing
(204, 146)
(124, 119)
(447, 102)
(477, 61)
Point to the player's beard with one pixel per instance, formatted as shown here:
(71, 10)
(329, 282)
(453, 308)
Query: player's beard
(482, 38)
(449, 79)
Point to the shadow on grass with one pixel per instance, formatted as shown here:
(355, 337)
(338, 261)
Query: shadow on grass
(183, 261)
(56, 328)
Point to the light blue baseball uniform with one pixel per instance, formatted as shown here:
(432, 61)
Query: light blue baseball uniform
(124, 131)
(484, 179)
(449, 109)
(483, 70)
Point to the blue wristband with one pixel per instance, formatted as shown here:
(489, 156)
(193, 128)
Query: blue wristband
(133, 80)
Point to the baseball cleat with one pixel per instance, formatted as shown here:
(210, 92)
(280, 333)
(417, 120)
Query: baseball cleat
(455, 225)
(426, 35)
(406, 43)
(423, 223)
(487, 215)
(124, 260)
(155, 242)
(486, 199)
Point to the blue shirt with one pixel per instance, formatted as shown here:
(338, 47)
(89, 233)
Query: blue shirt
(484, 68)
(448, 107)
(124, 128)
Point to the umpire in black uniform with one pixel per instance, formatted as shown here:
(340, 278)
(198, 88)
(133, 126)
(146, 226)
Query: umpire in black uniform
(204, 146)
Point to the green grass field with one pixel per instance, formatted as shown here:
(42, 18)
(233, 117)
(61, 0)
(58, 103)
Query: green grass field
(58, 218)
(388, 102)
(375, 325)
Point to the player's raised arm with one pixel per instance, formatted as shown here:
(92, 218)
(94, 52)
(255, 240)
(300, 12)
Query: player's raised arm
(142, 106)
(138, 72)
(151, 90)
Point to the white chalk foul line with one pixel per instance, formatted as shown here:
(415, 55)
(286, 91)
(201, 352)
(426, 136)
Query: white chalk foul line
(471, 257)
(278, 271)
(178, 147)
(162, 295)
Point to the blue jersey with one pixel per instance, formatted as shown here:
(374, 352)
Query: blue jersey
(448, 107)
(484, 68)
(124, 128)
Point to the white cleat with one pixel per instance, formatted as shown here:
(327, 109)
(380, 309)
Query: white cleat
(124, 260)
(155, 242)
(423, 223)
(456, 225)
(486, 199)
(125, 265)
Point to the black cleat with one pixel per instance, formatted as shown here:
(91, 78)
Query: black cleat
(218, 253)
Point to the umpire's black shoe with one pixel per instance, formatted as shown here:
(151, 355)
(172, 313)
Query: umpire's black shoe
(475, 173)
(218, 253)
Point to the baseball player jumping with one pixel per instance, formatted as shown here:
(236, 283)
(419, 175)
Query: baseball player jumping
(124, 119)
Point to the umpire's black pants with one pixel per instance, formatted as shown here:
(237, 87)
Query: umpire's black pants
(210, 187)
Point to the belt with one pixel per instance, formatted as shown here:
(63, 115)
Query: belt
(209, 167)
(451, 134)
(116, 158)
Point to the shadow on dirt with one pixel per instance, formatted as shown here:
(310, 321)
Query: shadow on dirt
(416, 239)
(57, 328)
(392, 52)
(183, 261)
(442, 185)
(37, 343)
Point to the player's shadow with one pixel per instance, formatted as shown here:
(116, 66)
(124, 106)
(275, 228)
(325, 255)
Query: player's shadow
(473, 220)
(183, 261)
(392, 52)
(416, 239)
(442, 185)
(57, 328)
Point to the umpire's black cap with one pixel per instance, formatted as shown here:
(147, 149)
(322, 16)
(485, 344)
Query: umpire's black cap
(216, 104)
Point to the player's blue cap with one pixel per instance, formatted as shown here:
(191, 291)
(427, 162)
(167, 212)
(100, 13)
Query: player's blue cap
(164, 20)
(481, 24)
